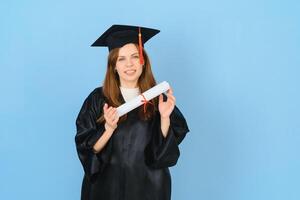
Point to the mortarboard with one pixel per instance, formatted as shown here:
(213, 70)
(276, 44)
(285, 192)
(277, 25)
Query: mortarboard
(119, 35)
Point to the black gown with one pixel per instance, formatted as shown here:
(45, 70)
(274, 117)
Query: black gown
(134, 163)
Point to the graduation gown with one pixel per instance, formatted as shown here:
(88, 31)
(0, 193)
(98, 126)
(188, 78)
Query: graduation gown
(134, 163)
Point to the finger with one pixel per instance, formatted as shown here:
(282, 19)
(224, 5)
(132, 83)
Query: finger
(107, 113)
(172, 97)
(160, 98)
(115, 118)
(171, 103)
(111, 112)
(170, 91)
(111, 118)
(105, 107)
(108, 109)
(114, 115)
(172, 100)
(169, 94)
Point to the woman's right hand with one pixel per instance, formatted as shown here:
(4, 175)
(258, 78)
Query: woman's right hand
(111, 117)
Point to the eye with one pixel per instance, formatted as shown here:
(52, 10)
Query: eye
(120, 59)
(136, 56)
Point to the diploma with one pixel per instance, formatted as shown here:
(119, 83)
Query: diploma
(143, 98)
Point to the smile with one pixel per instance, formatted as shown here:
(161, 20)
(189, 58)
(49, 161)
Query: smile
(130, 72)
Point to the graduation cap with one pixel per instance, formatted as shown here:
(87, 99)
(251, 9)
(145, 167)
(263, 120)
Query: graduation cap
(119, 35)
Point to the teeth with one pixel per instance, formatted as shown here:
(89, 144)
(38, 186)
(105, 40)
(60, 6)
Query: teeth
(130, 71)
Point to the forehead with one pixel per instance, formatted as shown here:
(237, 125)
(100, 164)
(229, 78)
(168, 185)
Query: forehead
(128, 49)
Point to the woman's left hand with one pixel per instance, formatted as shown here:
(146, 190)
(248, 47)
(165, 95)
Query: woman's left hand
(166, 107)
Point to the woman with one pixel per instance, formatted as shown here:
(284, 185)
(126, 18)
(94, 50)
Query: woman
(127, 158)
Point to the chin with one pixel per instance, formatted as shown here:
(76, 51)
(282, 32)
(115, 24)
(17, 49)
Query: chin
(131, 80)
(126, 78)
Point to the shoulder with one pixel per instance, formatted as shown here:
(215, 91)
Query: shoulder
(96, 94)
(92, 105)
(95, 97)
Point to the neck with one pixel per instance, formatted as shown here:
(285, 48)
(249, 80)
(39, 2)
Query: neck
(129, 84)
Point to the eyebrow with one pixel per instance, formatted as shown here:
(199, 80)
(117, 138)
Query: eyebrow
(131, 54)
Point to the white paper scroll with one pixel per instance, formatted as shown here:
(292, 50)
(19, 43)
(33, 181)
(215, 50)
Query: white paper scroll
(137, 101)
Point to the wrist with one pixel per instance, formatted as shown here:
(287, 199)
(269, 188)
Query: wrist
(109, 127)
(166, 119)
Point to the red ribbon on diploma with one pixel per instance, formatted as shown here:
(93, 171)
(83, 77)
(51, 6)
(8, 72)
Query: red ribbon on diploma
(145, 101)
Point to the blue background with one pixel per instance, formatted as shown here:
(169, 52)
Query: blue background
(234, 67)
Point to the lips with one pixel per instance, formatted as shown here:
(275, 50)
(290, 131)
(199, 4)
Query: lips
(130, 72)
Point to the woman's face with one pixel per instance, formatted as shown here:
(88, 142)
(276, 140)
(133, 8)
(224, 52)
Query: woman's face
(128, 65)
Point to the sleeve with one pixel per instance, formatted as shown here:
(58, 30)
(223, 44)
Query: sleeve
(164, 152)
(88, 133)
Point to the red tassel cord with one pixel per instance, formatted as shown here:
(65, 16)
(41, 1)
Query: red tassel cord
(141, 47)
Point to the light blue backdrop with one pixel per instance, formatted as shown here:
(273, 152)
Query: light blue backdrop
(234, 67)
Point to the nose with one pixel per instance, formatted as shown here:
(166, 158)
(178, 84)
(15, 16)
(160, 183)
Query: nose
(129, 62)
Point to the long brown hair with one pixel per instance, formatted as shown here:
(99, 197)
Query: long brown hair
(111, 86)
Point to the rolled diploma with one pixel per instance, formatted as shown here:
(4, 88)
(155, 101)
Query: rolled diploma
(137, 101)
